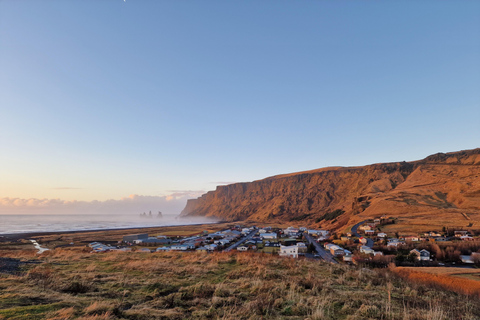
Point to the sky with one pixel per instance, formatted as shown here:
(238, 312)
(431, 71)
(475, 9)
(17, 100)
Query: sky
(103, 100)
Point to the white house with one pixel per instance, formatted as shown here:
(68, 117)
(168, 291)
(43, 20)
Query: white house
(242, 248)
(289, 251)
(271, 235)
(421, 255)
(382, 235)
(366, 250)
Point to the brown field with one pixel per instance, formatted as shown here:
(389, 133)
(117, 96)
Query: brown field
(73, 284)
(459, 280)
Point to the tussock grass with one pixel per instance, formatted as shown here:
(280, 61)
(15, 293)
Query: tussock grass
(69, 284)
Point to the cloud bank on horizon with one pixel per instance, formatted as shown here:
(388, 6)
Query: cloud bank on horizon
(168, 204)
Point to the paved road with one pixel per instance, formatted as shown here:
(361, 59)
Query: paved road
(239, 242)
(355, 233)
(327, 256)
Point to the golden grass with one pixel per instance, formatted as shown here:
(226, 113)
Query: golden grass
(174, 285)
(445, 280)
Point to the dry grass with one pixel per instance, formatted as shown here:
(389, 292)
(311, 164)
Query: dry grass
(444, 278)
(70, 284)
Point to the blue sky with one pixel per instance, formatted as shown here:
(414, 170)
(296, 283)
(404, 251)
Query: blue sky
(103, 99)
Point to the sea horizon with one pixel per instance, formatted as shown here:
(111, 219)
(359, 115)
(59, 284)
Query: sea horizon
(38, 223)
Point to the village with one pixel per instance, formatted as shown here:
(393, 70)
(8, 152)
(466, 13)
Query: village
(364, 244)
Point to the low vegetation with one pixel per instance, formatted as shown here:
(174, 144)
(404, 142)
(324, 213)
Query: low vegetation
(72, 284)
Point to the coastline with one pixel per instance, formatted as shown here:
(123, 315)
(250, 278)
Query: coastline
(9, 237)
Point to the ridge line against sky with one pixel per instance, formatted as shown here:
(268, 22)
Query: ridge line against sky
(99, 100)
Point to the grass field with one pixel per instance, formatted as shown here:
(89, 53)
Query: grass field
(73, 284)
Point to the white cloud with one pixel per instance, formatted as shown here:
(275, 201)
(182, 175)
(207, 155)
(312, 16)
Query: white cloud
(168, 204)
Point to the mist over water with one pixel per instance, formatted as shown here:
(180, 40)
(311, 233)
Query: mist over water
(26, 223)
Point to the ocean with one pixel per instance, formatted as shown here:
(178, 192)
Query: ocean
(27, 223)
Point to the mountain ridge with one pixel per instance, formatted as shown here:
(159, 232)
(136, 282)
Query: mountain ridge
(442, 184)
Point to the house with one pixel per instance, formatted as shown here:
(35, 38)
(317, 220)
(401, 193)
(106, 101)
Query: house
(163, 249)
(289, 251)
(202, 249)
(132, 237)
(145, 250)
(366, 250)
(347, 257)
(460, 233)
(344, 238)
(328, 245)
(211, 247)
(291, 231)
(377, 221)
(336, 250)
(474, 257)
(377, 253)
(302, 247)
(182, 247)
(466, 238)
(395, 243)
(365, 227)
(421, 255)
(363, 240)
(271, 235)
(242, 248)
(412, 238)
(319, 233)
(369, 232)
(381, 235)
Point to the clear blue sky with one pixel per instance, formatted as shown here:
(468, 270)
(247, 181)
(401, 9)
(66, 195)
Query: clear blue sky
(102, 99)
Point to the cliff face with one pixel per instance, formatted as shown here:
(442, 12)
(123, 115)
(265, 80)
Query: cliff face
(437, 183)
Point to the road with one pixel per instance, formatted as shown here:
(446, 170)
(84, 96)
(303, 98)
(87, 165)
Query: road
(355, 233)
(239, 242)
(323, 254)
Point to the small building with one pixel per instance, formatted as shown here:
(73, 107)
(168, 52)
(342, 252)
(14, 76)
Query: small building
(366, 250)
(395, 243)
(369, 232)
(182, 247)
(347, 257)
(412, 238)
(271, 235)
(421, 255)
(466, 238)
(363, 240)
(319, 233)
(460, 233)
(336, 251)
(381, 235)
(289, 251)
(163, 249)
(132, 237)
(302, 247)
(145, 250)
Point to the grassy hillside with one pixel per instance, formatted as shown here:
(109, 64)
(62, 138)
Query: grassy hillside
(70, 284)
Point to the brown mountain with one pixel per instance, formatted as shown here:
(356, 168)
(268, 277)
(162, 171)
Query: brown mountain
(441, 190)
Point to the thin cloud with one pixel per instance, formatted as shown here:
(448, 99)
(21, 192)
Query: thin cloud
(168, 204)
(66, 188)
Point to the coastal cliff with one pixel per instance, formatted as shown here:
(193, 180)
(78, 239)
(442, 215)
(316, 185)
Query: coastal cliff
(439, 184)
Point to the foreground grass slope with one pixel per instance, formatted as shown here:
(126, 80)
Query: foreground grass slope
(66, 284)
